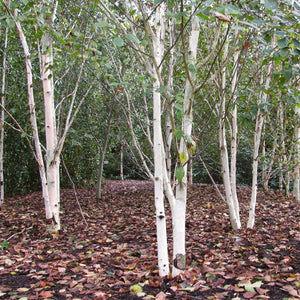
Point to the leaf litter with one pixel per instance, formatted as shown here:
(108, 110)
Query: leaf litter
(115, 256)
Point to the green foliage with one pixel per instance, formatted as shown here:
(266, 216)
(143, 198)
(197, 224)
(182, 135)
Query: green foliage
(179, 174)
(4, 245)
(82, 33)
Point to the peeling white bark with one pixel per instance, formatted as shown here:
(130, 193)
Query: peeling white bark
(179, 209)
(158, 148)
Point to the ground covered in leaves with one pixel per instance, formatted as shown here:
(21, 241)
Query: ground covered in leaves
(114, 257)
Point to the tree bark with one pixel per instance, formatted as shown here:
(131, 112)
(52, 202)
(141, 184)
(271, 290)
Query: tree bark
(2, 114)
(296, 173)
(158, 149)
(263, 97)
(33, 120)
(52, 157)
(179, 210)
(102, 157)
(229, 173)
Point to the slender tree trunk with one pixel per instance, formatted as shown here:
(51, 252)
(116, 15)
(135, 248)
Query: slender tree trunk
(158, 149)
(170, 113)
(179, 210)
(296, 173)
(52, 157)
(33, 119)
(102, 157)
(234, 132)
(2, 114)
(229, 176)
(122, 159)
(191, 171)
(257, 137)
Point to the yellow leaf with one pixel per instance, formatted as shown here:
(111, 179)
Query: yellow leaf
(192, 147)
(183, 157)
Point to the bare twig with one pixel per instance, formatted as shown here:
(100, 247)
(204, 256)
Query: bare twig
(18, 233)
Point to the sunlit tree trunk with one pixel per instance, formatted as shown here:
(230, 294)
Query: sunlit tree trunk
(2, 114)
(179, 210)
(158, 147)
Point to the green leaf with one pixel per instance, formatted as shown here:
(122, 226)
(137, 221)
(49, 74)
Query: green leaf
(179, 174)
(58, 37)
(296, 43)
(283, 43)
(284, 52)
(133, 38)
(270, 4)
(288, 74)
(182, 157)
(231, 9)
(162, 89)
(119, 42)
(137, 290)
(189, 139)
(192, 68)
(178, 133)
(5, 244)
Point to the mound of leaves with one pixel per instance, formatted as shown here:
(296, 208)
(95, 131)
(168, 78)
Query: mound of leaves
(114, 257)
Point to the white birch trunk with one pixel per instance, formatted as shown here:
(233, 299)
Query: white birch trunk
(179, 209)
(52, 157)
(170, 113)
(296, 189)
(234, 132)
(257, 137)
(2, 115)
(229, 176)
(158, 149)
(33, 120)
(121, 160)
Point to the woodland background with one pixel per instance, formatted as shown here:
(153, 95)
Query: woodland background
(171, 92)
(84, 35)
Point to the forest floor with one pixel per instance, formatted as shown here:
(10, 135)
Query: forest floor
(114, 257)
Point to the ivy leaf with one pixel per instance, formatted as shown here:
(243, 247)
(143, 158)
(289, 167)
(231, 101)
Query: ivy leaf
(183, 157)
(179, 174)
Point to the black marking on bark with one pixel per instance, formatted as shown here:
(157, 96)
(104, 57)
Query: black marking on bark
(179, 261)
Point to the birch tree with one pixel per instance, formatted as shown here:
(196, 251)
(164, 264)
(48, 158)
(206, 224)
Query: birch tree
(261, 115)
(229, 169)
(296, 189)
(3, 83)
(186, 149)
(49, 170)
